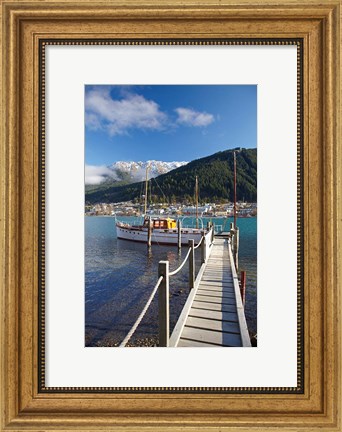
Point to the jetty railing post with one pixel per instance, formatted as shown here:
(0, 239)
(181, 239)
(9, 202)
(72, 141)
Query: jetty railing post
(191, 264)
(203, 249)
(234, 233)
(243, 287)
(149, 233)
(179, 228)
(163, 303)
(236, 248)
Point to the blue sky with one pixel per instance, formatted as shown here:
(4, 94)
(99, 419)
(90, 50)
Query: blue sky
(167, 122)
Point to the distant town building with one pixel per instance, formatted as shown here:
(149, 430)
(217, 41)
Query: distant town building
(201, 210)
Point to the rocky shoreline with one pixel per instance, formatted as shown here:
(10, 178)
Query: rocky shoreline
(151, 341)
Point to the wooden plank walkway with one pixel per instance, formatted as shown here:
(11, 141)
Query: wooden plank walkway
(214, 314)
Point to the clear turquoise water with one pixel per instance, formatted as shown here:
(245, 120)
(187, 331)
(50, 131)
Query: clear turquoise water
(120, 275)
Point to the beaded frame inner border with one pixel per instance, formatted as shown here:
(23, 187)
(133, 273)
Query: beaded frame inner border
(299, 389)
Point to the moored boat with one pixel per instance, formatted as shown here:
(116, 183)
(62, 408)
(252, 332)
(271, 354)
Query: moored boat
(163, 231)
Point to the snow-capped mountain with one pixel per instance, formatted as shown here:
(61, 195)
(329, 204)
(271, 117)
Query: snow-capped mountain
(122, 172)
(137, 170)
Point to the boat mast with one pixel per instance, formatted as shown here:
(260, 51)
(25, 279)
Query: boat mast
(146, 185)
(196, 196)
(234, 189)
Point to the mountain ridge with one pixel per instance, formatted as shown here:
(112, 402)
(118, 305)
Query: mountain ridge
(138, 169)
(125, 172)
(215, 174)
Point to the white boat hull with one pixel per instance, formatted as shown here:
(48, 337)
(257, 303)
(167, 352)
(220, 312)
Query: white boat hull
(159, 236)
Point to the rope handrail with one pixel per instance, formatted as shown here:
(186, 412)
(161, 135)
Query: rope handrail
(181, 266)
(186, 257)
(199, 244)
(141, 316)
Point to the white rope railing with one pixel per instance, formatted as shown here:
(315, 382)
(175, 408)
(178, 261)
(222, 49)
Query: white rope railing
(199, 244)
(141, 316)
(182, 265)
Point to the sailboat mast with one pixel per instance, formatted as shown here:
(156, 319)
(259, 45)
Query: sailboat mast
(196, 195)
(146, 185)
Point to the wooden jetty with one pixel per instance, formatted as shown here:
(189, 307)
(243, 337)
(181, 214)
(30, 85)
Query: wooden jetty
(214, 313)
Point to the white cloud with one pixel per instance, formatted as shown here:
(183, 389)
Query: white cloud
(95, 175)
(118, 116)
(92, 121)
(189, 117)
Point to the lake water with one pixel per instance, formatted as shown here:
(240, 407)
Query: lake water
(120, 275)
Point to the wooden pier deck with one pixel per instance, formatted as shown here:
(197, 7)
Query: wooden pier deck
(214, 314)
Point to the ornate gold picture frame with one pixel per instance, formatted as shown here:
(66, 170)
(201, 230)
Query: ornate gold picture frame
(26, 28)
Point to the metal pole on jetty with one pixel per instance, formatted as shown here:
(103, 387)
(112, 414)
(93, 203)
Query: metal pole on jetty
(179, 230)
(192, 264)
(163, 300)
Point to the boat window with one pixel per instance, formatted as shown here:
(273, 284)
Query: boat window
(156, 224)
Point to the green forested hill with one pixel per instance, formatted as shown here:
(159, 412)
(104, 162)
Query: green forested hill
(215, 178)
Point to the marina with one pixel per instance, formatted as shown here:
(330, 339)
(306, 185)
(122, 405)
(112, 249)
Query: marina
(120, 276)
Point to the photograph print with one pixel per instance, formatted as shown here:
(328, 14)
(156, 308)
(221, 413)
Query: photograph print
(170, 216)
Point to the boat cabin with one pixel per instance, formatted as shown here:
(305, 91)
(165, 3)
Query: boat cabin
(162, 223)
